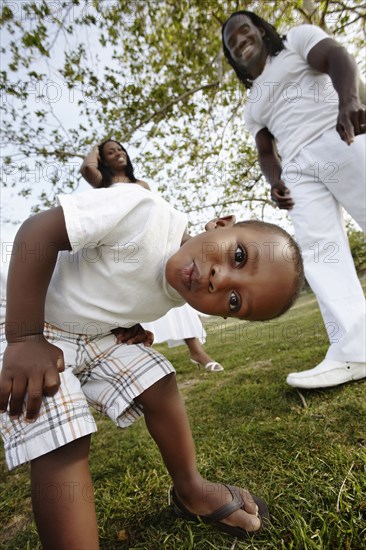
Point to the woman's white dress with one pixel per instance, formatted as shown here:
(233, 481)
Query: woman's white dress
(179, 323)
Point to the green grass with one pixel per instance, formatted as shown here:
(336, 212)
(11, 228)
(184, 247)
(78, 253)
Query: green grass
(304, 454)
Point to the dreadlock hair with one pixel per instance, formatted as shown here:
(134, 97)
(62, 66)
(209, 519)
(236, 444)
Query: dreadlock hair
(107, 174)
(272, 41)
(292, 254)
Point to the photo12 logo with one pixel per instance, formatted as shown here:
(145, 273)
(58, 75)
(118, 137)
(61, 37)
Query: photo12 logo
(69, 12)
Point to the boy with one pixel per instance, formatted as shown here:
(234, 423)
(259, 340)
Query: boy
(247, 270)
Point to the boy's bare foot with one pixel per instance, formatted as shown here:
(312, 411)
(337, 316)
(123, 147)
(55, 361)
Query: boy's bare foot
(239, 517)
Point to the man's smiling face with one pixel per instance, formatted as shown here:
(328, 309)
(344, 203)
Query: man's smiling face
(244, 41)
(237, 271)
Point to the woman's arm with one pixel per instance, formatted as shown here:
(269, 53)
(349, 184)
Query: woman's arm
(89, 168)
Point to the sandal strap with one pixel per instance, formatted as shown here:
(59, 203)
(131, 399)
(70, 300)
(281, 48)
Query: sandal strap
(226, 509)
(210, 366)
(221, 513)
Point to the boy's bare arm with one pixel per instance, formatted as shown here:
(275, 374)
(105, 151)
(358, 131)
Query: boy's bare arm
(31, 364)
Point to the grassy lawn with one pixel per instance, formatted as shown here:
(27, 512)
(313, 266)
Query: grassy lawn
(305, 454)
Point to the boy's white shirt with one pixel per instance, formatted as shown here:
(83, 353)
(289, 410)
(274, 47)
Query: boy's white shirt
(121, 239)
(294, 101)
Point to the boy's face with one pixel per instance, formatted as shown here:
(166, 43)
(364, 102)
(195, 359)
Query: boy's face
(241, 272)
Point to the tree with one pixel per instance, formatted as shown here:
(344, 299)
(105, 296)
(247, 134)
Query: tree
(151, 74)
(357, 244)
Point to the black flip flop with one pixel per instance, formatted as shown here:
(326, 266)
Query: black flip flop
(223, 512)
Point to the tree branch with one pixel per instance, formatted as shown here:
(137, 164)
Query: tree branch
(69, 8)
(305, 15)
(217, 19)
(166, 107)
(350, 23)
(234, 201)
(62, 154)
(324, 13)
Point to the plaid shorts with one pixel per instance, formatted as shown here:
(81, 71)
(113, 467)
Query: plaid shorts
(98, 372)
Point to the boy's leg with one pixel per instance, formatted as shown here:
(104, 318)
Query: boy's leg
(63, 498)
(127, 381)
(167, 422)
(57, 445)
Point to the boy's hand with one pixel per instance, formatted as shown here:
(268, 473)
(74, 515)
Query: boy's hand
(133, 335)
(30, 367)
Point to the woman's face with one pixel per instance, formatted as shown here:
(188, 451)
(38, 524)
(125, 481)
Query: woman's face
(114, 156)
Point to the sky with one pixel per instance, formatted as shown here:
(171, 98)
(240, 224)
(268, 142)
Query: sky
(64, 102)
(14, 208)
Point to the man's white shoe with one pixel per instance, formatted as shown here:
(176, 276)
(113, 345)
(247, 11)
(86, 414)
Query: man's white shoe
(327, 374)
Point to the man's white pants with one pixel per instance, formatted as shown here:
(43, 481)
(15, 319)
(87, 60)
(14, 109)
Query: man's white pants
(325, 175)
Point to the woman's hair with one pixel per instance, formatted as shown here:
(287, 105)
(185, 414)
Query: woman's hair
(107, 174)
(272, 41)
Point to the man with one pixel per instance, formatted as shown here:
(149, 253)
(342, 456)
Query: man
(305, 114)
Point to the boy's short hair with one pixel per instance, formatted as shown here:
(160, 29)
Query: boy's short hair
(294, 257)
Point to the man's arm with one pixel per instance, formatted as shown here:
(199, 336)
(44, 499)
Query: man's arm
(31, 364)
(271, 167)
(333, 59)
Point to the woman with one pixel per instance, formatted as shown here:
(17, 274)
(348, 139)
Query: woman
(107, 164)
